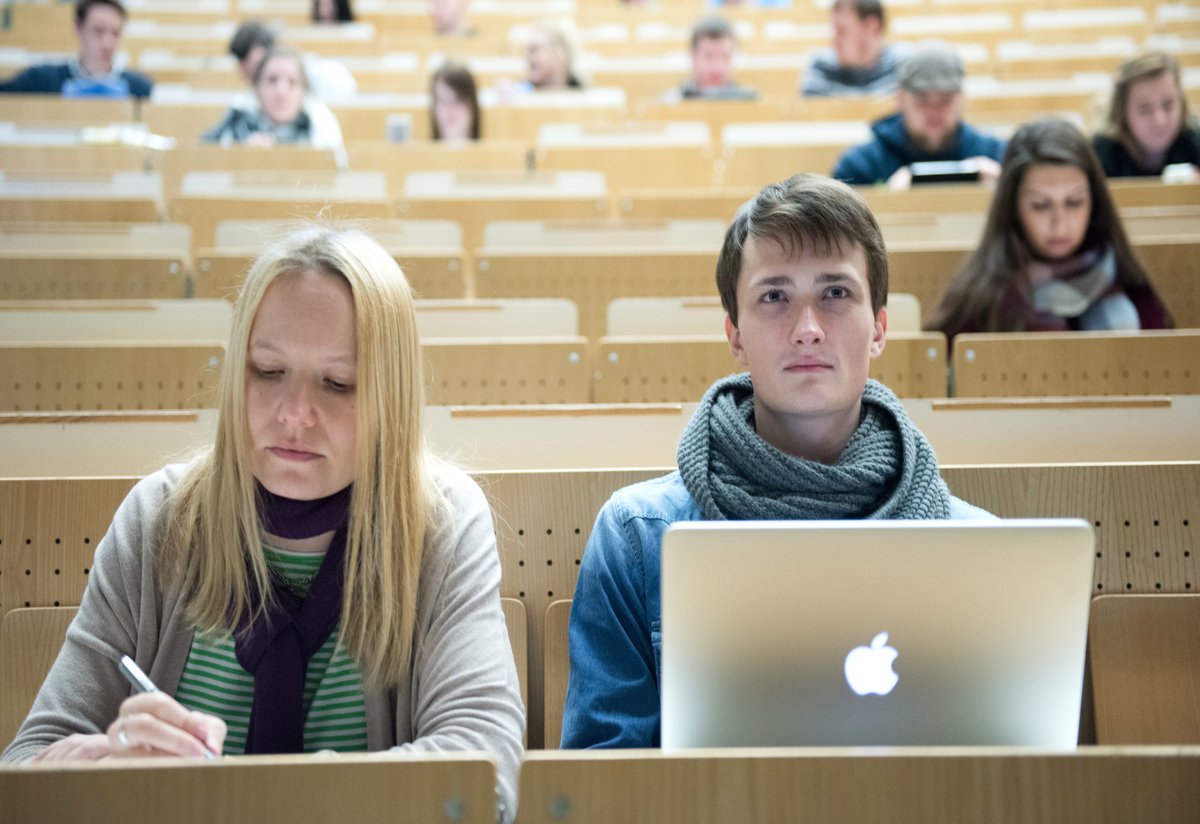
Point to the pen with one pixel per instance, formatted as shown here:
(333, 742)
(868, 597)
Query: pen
(142, 683)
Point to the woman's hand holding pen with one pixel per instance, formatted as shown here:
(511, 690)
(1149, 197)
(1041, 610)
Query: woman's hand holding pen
(149, 723)
(154, 724)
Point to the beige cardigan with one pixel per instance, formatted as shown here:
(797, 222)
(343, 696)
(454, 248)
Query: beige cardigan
(462, 695)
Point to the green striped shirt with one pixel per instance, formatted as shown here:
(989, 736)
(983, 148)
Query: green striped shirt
(335, 713)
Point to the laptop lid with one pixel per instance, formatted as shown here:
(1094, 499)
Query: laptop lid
(807, 633)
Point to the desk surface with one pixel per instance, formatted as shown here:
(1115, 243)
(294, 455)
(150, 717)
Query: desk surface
(457, 788)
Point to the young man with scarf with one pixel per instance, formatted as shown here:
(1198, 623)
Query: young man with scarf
(804, 435)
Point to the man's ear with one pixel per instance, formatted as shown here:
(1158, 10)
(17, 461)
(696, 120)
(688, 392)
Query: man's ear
(880, 337)
(735, 341)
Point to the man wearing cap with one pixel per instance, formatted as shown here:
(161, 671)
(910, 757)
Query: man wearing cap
(927, 127)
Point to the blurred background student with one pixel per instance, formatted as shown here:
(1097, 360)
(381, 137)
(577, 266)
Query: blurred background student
(1054, 255)
(1148, 127)
(452, 18)
(95, 71)
(712, 48)
(550, 57)
(928, 126)
(280, 112)
(327, 78)
(332, 11)
(859, 59)
(453, 104)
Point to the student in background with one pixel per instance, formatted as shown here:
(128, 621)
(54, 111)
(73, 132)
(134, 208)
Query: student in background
(94, 73)
(1054, 255)
(804, 435)
(452, 18)
(860, 60)
(1149, 128)
(713, 46)
(550, 60)
(332, 11)
(928, 126)
(327, 79)
(315, 563)
(280, 112)
(453, 104)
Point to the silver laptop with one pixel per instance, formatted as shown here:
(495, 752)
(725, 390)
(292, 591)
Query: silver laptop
(813, 633)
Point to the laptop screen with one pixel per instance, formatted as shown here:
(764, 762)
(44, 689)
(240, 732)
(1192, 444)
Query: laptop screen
(812, 633)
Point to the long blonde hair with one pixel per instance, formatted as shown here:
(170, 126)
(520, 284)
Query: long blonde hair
(213, 541)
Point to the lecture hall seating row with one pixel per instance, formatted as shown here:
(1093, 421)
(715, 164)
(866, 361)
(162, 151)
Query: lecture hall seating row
(601, 436)
(1143, 514)
(87, 376)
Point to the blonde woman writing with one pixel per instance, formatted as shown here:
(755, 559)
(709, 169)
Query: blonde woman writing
(315, 580)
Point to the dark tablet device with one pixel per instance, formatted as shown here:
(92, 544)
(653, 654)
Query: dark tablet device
(945, 171)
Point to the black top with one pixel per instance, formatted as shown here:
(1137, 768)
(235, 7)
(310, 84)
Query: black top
(1118, 162)
(50, 78)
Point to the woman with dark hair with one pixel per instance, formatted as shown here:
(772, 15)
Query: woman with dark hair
(453, 104)
(1148, 128)
(1054, 255)
(332, 11)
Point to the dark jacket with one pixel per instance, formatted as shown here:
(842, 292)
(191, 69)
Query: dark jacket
(49, 78)
(1118, 162)
(892, 148)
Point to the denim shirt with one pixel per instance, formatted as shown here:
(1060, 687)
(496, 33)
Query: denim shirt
(615, 631)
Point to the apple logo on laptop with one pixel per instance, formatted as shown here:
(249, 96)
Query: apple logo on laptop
(869, 669)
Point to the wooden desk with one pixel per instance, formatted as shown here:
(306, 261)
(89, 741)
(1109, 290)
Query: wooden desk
(934, 786)
(54, 108)
(631, 153)
(506, 370)
(592, 276)
(298, 789)
(1037, 364)
(81, 444)
(100, 320)
(679, 369)
(208, 198)
(1145, 666)
(416, 155)
(475, 198)
(1143, 516)
(132, 197)
(93, 376)
(52, 274)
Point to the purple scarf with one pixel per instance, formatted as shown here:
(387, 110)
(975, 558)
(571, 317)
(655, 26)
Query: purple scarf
(276, 649)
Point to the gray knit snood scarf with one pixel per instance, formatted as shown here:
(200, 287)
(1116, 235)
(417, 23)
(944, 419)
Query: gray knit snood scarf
(887, 470)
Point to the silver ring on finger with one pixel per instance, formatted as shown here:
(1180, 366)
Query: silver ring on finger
(122, 737)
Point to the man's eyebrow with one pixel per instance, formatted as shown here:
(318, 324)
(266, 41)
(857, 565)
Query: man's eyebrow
(773, 280)
(833, 277)
(785, 280)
